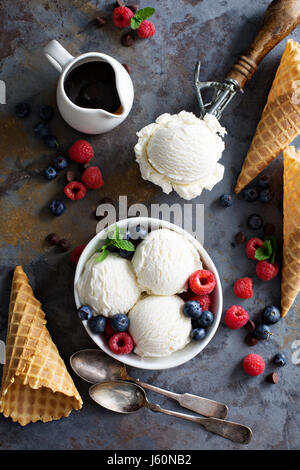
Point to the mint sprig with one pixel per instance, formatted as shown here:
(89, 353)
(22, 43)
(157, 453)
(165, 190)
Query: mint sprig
(268, 250)
(140, 16)
(114, 240)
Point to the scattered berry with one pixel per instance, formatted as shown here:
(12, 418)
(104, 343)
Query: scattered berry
(262, 332)
(250, 326)
(253, 364)
(53, 239)
(121, 343)
(100, 21)
(120, 322)
(272, 378)
(202, 282)
(240, 238)
(60, 163)
(206, 319)
(192, 309)
(51, 141)
(46, 112)
(250, 195)
(126, 254)
(236, 317)
(57, 207)
(146, 29)
(22, 110)
(250, 340)
(255, 222)
(266, 195)
(127, 39)
(108, 332)
(226, 200)
(92, 178)
(81, 152)
(271, 315)
(198, 333)
(243, 288)
(64, 244)
(204, 300)
(85, 312)
(70, 176)
(75, 190)
(113, 249)
(266, 271)
(76, 253)
(269, 229)
(50, 173)
(122, 16)
(42, 130)
(97, 324)
(264, 181)
(252, 245)
(279, 360)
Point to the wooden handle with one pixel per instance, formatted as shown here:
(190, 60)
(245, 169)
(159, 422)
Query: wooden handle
(281, 17)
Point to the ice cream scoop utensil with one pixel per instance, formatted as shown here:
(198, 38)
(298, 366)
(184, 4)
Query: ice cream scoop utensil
(94, 366)
(281, 17)
(127, 397)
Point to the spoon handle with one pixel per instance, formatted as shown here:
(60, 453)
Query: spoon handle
(200, 405)
(234, 431)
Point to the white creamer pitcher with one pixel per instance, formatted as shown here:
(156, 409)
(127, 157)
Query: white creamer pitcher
(88, 120)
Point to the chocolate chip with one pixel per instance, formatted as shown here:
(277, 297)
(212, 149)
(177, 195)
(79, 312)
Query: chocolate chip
(100, 21)
(127, 39)
(269, 229)
(134, 8)
(70, 176)
(64, 244)
(251, 340)
(126, 67)
(53, 238)
(240, 238)
(250, 326)
(272, 378)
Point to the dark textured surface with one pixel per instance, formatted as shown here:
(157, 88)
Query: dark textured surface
(162, 72)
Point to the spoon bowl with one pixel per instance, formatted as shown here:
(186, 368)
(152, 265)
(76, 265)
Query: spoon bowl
(119, 396)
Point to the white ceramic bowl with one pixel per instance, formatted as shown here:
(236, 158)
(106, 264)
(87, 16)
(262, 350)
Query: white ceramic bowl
(194, 347)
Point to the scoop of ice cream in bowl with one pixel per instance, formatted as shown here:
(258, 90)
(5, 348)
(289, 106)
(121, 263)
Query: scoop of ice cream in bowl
(146, 290)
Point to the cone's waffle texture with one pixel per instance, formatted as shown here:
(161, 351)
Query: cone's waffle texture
(35, 383)
(280, 120)
(290, 282)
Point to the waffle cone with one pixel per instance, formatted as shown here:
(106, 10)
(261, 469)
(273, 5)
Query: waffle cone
(280, 120)
(290, 282)
(35, 383)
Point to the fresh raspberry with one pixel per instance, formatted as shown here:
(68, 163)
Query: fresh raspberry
(236, 317)
(81, 152)
(92, 178)
(75, 190)
(146, 29)
(252, 245)
(243, 288)
(204, 300)
(202, 282)
(109, 331)
(121, 343)
(122, 16)
(76, 253)
(266, 271)
(253, 364)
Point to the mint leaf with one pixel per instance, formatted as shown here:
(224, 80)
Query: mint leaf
(144, 13)
(273, 242)
(102, 256)
(135, 23)
(124, 245)
(264, 252)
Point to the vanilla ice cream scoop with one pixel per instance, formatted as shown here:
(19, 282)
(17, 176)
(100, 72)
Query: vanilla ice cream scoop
(181, 152)
(158, 326)
(163, 262)
(109, 286)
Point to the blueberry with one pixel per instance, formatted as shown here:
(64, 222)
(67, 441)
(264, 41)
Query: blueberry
(250, 195)
(126, 254)
(264, 181)
(262, 332)
(97, 324)
(271, 315)
(113, 249)
(22, 110)
(198, 333)
(120, 322)
(192, 309)
(41, 130)
(206, 319)
(57, 207)
(255, 221)
(50, 173)
(51, 141)
(60, 163)
(279, 360)
(46, 112)
(85, 312)
(141, 231)
(226, 200)
(126, 235)
(266, 195)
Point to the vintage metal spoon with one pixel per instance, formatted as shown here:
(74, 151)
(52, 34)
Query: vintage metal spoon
(126, 397)
(94, 366)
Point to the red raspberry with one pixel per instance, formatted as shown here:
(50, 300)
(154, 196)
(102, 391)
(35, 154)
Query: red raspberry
(243, 288)
(75, 190)
(81, 152)
(202, 282)
(121, 343)
(204, 300)
(146, 29)
(92, 178)
(253, 364)
(266, 271)
(122, 16)
(76, 253)
(109, 331)
(236, 317)
(252, 246)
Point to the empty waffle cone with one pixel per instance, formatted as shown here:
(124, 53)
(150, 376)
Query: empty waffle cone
(290, 282)
(280, 120)
(36, 385)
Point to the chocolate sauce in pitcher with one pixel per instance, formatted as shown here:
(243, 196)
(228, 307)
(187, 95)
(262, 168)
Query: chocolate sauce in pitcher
(93, 85)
